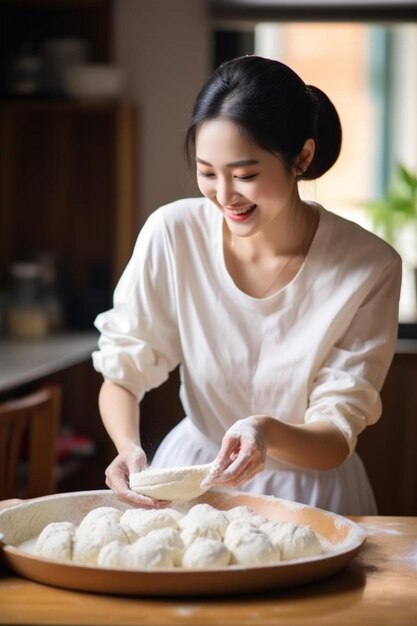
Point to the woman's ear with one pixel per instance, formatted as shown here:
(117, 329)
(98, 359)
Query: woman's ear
(303, 160)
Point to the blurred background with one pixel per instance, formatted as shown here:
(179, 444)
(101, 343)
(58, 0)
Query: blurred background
(95, 98)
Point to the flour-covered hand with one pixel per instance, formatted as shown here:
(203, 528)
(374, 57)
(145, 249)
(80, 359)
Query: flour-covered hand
(242, 454)
(127, 462)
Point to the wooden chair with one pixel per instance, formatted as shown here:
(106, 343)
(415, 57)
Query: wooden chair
(29, 423)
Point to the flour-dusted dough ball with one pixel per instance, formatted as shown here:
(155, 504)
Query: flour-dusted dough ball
(245, 513)
(149, 553)
(91, 537)
(239, 512)
(91, 518)
(170, 539)
(205, 515)
(55, 541)
(139, 522)
(250, 546)
(293, 540)
(197, 530)
(235, 530)
(145, 553)
(115, 554)
(134, 556)
(206, 553)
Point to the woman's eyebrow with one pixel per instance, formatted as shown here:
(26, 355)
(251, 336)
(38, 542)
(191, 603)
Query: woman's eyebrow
(234, 164)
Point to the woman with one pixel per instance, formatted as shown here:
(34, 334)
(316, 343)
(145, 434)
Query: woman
(282, 315)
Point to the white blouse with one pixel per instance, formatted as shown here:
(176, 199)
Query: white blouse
(317, 350)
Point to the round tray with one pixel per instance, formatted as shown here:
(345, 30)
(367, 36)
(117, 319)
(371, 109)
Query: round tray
(23, 522)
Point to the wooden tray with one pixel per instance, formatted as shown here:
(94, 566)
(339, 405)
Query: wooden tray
(24, 521)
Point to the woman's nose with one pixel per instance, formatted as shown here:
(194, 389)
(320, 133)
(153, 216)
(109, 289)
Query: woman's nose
(225, 192)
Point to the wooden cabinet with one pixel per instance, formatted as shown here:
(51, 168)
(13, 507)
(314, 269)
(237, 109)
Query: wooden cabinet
(68, 186)
(67, 167)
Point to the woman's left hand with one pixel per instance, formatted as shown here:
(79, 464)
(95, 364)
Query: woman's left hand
(242, 454)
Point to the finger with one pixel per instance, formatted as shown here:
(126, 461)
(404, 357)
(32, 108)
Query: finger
(253, 474)
(118, 483)
(248, 455)
(249, 462)
(125, 494)
(137, 464)
(231, 475)
(139, 500)
(247, 476)
(117, 480)
(227, 453)
(244, 478)
(235, 477)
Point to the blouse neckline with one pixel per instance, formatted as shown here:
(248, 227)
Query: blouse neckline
(287, 291)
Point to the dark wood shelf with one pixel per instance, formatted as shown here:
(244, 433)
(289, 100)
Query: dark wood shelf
(68, 187)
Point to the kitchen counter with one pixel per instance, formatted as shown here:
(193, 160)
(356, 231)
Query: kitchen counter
(406, 346)
(24, 361)
(378, 588)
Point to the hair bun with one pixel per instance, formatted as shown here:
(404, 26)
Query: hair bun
(328, 137)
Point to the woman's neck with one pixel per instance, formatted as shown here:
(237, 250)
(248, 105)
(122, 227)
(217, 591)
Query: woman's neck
(290, 234)
(262, 265)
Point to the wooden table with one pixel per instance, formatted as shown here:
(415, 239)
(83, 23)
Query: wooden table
(378, 588)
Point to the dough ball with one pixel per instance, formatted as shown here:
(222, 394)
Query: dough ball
(239, 512)
(91, 537)
(206, 553)
(294, 541)
(245, 513)
(139, 522)
(197, 530)
(114, 554)
(95, 514)
(170, 539)
(235, 530)
(55, 541)
(206, 515)
(145, 553)
(149, 552)
(250, 546)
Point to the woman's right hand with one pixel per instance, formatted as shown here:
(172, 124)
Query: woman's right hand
(130, 460)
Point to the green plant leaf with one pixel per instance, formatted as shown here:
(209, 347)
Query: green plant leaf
(399, 206)
(407, 177)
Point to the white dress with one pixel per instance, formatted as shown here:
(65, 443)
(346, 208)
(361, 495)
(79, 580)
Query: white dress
(317, 350)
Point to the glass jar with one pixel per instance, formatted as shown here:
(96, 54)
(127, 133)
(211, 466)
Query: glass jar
(26, 315)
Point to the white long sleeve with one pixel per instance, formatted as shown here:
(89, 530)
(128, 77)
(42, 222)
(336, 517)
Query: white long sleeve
(319, 349)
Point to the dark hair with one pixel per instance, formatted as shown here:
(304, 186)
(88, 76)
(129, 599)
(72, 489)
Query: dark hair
(274, 108)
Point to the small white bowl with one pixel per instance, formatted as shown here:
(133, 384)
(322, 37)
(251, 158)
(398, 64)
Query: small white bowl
(93, 80)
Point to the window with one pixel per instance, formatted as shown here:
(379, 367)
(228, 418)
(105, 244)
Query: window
(370, 73)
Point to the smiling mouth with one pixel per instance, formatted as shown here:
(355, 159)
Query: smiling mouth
(241, 211)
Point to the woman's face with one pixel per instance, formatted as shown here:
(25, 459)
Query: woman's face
(251, 187)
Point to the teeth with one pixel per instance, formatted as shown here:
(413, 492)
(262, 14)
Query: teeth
(242, 211)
